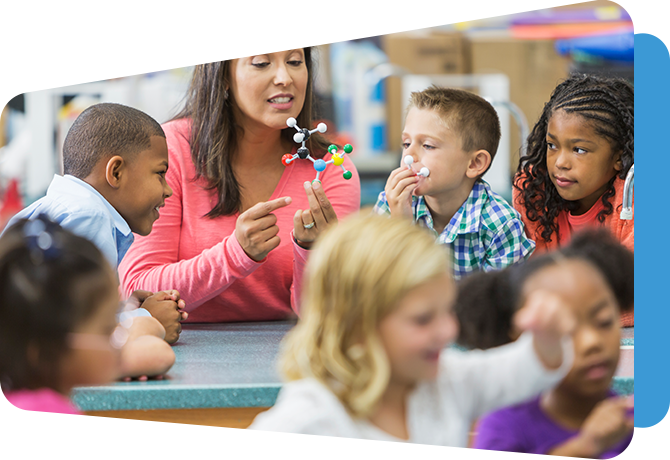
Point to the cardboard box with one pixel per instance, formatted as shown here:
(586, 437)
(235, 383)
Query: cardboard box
(422, 52)
(533, 67)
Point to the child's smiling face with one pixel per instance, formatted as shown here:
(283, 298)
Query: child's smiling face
(415, 333)
(145, 188)
(580, 163)
(429, 140)
(597, 336)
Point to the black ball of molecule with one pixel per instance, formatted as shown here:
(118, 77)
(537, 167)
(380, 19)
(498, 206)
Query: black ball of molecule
(305, 132)
(303, 152)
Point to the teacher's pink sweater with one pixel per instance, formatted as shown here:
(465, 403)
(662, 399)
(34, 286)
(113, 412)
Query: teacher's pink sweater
(202, 259)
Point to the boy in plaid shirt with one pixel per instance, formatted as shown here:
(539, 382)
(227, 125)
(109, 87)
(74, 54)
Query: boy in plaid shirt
(455, 134)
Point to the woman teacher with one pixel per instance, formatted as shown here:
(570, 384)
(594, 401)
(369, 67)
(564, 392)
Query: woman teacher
(235, 235)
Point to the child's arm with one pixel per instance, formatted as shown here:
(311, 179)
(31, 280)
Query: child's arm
(398, 193)
(607, 425)
(507, 375)
(505, 435)
(145, 352)
(550, 320)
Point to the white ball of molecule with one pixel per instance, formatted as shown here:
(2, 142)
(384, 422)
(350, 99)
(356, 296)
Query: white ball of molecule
(291, 122)
(322, 128)
(424, 172)
(298, 137)
(408, 160)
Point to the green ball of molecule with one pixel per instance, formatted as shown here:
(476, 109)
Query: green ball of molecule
(347, 175)
(348, 148)
(332, 149)
(315, 181)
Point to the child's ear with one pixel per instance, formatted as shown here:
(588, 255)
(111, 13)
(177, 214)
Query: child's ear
(618, 163)
(114, 171)
(479, 162)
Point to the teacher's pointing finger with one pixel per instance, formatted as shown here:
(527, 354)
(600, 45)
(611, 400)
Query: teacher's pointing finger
(256, 229)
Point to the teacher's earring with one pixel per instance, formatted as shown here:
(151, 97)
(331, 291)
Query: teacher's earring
(225, 94)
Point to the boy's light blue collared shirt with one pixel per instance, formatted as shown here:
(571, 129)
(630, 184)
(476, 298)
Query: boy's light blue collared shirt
(81, 209)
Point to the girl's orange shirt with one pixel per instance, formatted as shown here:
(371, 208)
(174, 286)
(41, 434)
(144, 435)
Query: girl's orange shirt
(623, 230)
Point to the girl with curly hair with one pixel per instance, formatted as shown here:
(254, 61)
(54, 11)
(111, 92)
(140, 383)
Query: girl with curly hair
(576, 162)
(582, 416)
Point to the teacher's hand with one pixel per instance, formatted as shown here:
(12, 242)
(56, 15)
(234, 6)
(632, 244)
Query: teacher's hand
(309, 224)
(256, 228)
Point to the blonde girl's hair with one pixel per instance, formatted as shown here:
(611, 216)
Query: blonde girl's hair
(356, 275)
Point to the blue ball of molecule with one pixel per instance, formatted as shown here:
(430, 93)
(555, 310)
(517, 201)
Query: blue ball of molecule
(319, 165)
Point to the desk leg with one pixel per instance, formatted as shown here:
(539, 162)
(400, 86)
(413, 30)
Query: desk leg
(177, 434)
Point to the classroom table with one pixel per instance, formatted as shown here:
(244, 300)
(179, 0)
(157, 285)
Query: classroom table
(224, 375)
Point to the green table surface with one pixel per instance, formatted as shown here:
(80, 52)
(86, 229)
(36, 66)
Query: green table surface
(233, 365)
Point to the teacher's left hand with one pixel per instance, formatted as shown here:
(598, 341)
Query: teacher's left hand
(309, 224)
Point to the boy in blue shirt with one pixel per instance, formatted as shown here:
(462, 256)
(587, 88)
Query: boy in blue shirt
(114, 159)
(455, 135)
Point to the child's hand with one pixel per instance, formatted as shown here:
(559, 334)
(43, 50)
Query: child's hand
(399, 188)
(138, 297)
(180, 303)
(550, 319)
(165, 309)
(607, 425)
(318, 217)
(256, 228)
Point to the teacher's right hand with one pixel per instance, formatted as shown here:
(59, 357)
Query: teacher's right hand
(256, 229)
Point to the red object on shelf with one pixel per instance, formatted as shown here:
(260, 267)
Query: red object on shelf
(10, 203)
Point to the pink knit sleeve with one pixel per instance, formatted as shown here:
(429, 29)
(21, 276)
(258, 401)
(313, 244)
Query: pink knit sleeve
(299, 260)
(153, 263)
(345, 196)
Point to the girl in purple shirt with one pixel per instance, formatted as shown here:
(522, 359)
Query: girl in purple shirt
(581, 417)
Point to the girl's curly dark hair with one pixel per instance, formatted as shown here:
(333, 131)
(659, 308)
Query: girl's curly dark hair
(607, 103)
(487, 302)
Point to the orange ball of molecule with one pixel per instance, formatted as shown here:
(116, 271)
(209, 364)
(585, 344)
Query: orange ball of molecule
(287, 159)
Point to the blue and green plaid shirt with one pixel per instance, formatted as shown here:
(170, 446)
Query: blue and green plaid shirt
(486, 233)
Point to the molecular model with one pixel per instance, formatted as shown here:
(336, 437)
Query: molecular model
(303, 152)
(409, 160)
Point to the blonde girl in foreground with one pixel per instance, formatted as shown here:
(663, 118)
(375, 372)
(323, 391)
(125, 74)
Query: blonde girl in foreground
(368, 359)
